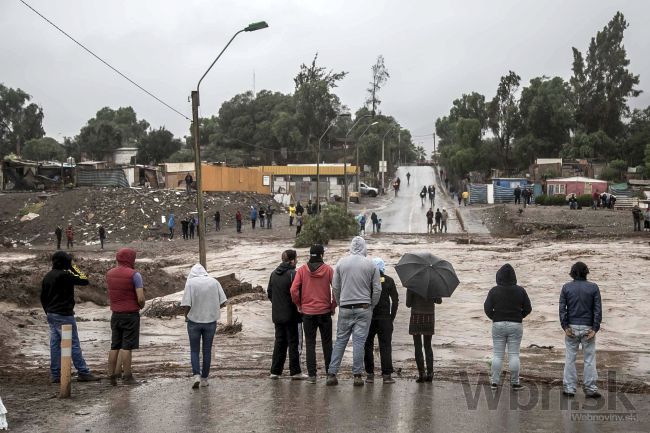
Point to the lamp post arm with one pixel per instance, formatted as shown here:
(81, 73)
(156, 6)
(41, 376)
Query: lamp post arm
(215, 60)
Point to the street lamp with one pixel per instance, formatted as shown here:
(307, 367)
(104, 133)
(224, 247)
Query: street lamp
(357, 146)
(197, 147)
(318, 160)
(345, 159)
(382, 155)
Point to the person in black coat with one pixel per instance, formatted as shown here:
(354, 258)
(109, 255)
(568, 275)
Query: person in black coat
(506, 305)
(285, 316)
(422, 328)
(381, 325)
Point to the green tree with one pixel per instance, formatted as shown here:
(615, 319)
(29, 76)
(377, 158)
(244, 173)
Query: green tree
(379, 77)
(157, 146)
(125, 120)
(639, 136)
(470, 106)
(20, 120)
(503, 115)
(602, 82)
(43, 149)
(183, 155)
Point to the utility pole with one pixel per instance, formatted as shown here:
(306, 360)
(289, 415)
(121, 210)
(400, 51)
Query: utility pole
(197, 176)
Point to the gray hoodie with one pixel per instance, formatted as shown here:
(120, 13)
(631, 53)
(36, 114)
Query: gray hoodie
(204, 295)
(356, 279)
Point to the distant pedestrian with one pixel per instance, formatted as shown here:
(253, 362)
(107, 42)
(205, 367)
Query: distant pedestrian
(171, 223)
(269, 217)
(292, 214)
(612, 201)
(309, 207)
(357, 288)
(362, 224)
(506, 305)
(299, 209)
(261, 214)
(458, 197)
(595, 200)
(423, 195)
(517, 194)
(375, 222)
(443, 220)
(422, 328)
(69, 235)
(646, 218)
(185, 228)
(285, 317)
(465, 197)
(191, 226)
(438, 218)
(202, 300)
(253, 217)
(217, 221)
(58, 301)
(298, 224)
(527, 194)
(126, 296)
(238, 221)
(637, 216)
(188, 183)
(102, 236)
(58, 232)
(580, 317)
(432, 195)
(446, 183)
(312, 295)
(408, 178)
(573, 202)
(381, 326)
(430, 216)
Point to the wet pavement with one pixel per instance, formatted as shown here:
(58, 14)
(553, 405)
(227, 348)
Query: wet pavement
(241, 405)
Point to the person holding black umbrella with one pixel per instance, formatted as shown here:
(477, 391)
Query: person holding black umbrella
(422, 328)
(506, 305)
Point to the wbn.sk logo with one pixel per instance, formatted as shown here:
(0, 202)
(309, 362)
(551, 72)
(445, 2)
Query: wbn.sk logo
(614, 406)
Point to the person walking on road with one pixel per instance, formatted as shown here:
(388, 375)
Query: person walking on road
(299, 209)
(298, 224)
(285, 317)
(69, 235)
(381, 326)
(506, 305)
(101, 231)
(357, 288)
(217, 221)
(269, 217)
(253, 216)
(595, 200)
(261, 214)
(192, 226)
(423, 194)
(517, 194)
(646, 219)
(432, 195)
(312, 294)
(465, 197)
(57, 300)
(438, 218)
(58, 232)
(443, 220)
(430, 216)
(362, 224)
(292, 214)
(459, 198)
(637, 216)
(185, 225)
(126, 296)
(188, 183)
(202, 301)
(422, 328)
(171, 223)
(408, 178)
(238, 220)
(375, 222)
(580, 317)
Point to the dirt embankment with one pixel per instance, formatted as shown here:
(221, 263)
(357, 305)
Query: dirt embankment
(552, 222)
(127, 214)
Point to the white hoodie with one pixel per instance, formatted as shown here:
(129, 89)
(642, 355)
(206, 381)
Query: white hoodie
(204, 295)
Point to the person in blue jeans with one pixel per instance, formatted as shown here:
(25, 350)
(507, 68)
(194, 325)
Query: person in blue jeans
(506, 305)
(57, 299)
(202, 300)
(580, 317)
(356, 286)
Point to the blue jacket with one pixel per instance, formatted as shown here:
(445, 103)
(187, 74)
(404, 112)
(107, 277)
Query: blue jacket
(172, 221)
(253, 214)
(580, 304)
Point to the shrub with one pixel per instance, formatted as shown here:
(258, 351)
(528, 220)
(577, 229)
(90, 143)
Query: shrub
(551, 200)
(332, 223)
(585, 200)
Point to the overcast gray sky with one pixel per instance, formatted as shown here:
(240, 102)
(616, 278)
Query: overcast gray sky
(434, 51)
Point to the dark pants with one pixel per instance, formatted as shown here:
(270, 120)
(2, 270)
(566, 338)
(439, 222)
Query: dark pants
(517, 200)
(291, 221)
(428, 352)
(70, 243)
(191, 232)
(286, 337)
(58, 243)
(261, 222)
(382, 328)
(201, 332)
(298, 228)
(217, 225)
(269, 222)
(171, 233)
(311, 324)
(238, 226)
(253, 223)
(637, 225)
(101, 242)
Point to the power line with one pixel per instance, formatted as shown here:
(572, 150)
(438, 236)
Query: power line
(104, 61)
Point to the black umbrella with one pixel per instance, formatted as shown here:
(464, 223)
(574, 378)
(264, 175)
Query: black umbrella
(427, 275)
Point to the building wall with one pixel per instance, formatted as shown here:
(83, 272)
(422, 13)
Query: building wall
(219, 178)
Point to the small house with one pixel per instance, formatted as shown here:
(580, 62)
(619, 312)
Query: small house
(577, 185)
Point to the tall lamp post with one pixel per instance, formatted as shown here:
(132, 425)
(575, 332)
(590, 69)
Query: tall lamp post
(357, 146)
(383, 141)
(197, 147)
(318, 160)
(345, 159)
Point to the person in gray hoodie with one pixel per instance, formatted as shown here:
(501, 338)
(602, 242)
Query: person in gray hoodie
(356, 286)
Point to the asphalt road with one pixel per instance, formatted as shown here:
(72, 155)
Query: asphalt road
(406, 213)
(262, 405)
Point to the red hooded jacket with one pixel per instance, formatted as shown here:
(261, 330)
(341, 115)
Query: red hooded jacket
(311, 290)
(121, 290)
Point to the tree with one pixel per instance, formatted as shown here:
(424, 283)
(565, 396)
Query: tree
(470, 106)
(379, 77)
(639, 137)
(125, 120)
(316, 105)
(503, 115)
(157, 146)
(602, 83)
(420, 153)
(183, 155)
(20, 120)
(43, 149)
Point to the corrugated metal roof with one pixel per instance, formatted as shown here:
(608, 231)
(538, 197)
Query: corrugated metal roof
(305, 170)
(576, 179)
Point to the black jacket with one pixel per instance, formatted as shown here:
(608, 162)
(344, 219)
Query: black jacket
(507, 302)
(57, 289)
(420, 305)
(283, 310)
(386, 308)
(580, 304)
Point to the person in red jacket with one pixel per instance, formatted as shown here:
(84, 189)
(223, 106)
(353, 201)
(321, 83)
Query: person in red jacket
(311, 292)
(126, 296)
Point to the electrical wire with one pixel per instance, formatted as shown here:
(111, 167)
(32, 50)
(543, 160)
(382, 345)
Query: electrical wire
(104, 61)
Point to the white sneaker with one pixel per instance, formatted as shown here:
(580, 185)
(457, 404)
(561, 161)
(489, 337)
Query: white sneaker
(299, 376)
(204, 382)
(274, 376)
(196, 381)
